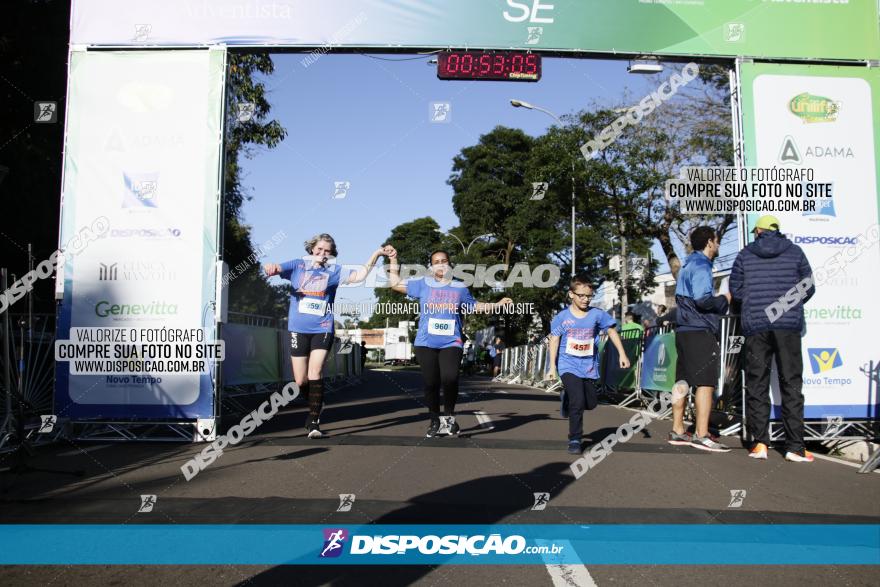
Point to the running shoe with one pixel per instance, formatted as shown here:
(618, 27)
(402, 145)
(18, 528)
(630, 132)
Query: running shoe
(314, 429)
(574, 447)
(433, 428)
(677, 439)
(451, 426)
(707, 444)
(759, 451)
(800, 456)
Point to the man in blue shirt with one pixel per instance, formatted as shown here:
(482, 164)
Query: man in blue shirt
(574, 342)
(699, 364)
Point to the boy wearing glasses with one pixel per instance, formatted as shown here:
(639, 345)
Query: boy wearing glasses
(574, 336)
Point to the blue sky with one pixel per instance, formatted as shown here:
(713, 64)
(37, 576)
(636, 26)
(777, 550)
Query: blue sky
(366, 120)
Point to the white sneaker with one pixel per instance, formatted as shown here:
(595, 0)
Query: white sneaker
(444, 426)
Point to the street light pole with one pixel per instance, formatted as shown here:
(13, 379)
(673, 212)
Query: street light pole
(521, 104)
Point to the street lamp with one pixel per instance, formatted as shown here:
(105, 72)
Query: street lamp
(521, 104)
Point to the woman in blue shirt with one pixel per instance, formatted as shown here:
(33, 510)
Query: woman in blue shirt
(315, 279)
(439, 341)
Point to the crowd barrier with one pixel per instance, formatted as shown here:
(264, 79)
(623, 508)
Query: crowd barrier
(652, 358)
(258, 356)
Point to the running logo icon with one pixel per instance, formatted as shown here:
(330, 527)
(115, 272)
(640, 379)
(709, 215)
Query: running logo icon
(333, 542)
(147, 504)
(539, 190)
(246, 111)
(441, 112)
(823, 360)
(346, 500)
(541, 501)
(47, 424)
(737, 497)
(534, 36)
(340, 189)
(46, 112)
(735, 344)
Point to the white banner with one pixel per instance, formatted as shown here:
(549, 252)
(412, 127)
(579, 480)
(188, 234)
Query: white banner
(825, 123)
(143, 150)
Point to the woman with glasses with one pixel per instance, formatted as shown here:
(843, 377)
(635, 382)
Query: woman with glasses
(574, 338)
(315, 279)
(439, 341)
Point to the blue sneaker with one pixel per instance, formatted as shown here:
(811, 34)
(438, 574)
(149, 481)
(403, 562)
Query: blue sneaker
(574, 447)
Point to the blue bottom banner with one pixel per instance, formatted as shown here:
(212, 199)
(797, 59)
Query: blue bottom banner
(678, 544)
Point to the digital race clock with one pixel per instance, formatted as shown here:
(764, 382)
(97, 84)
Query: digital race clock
(489, 65)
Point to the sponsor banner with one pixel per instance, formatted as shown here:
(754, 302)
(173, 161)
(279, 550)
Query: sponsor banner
(251, 354)
(268, 544)
(749, 28)
(823, 118)
(658, 363)
(611, 374)
(143, 152)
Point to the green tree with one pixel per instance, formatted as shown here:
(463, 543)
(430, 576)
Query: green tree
(414, 241)
(250, 291)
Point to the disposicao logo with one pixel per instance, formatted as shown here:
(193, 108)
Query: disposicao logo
(334, 538)
(810, 108)
(822, 360)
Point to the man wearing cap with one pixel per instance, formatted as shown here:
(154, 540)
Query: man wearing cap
(768, 270)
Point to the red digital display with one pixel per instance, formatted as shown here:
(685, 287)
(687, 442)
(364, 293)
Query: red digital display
(511, 66)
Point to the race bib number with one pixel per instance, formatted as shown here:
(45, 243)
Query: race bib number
(441, 327)
(312, 306)
(578, 348)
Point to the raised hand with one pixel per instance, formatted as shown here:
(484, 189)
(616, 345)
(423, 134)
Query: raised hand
(272, 269)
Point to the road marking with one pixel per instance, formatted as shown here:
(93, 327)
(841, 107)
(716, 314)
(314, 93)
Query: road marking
(502, 391)
(484, 420)
(570, 575)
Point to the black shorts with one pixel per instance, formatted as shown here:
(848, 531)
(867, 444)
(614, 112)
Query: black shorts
(496, 360)
(699, 358)
(303, 344)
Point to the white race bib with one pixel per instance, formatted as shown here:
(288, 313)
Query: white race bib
(578, 348)
(441, 327)
(312, 306)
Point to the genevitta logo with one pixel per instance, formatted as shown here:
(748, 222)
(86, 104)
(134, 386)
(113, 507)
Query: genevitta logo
(105, 309)
(334, 539)
(831, 241)
(141, 190)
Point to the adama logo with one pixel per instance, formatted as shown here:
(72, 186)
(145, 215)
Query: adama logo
(810, 108)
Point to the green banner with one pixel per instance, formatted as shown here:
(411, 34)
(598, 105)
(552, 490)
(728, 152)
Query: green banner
(794, 29)
(252, 355)
(658, 363)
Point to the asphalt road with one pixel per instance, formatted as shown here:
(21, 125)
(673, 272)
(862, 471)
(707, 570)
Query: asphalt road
(376, 449)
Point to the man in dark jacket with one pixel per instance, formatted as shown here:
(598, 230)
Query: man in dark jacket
(696, 340)
(772, 278)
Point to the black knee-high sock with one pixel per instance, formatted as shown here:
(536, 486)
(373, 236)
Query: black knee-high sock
(316, 397)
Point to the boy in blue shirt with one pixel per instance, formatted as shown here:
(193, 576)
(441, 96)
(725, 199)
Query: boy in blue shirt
(574, 342)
